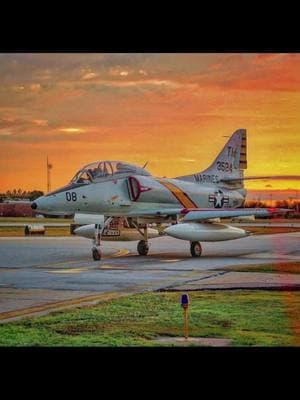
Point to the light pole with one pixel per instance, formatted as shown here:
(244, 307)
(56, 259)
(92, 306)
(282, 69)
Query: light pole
(49, 167)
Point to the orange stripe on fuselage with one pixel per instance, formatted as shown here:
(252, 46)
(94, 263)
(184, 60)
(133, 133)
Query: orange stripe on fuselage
(182, 197)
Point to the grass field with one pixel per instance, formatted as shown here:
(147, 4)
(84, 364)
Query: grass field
(270, 230)
(21, 220)
(292, 267)
(49, 231)
(248, 318)
(6, 231)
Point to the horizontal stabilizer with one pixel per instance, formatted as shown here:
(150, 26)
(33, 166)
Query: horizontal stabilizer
(250, 178)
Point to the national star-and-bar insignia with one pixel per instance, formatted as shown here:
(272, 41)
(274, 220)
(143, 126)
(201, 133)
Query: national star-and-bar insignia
(218, 199)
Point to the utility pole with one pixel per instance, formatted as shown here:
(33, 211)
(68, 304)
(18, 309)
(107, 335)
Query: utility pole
(49, 167)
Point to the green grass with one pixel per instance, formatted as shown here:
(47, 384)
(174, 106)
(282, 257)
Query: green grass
(270, 230)
(19, 230)
(292, 267)
(8, 231)
(22, 220)
(249, 318)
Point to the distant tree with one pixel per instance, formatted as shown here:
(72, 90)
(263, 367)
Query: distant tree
(255, 204)
(34, 194)
(282, 204)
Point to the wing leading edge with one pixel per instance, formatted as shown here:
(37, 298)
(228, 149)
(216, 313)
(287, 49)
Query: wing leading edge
(206, 214)
(194, 214)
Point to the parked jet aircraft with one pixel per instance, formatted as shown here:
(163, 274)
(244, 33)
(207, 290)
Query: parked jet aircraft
(110, 198)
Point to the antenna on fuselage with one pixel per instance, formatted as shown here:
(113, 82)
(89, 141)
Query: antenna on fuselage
(146, 163)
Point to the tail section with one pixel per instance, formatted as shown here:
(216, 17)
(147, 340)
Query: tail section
(228, 168)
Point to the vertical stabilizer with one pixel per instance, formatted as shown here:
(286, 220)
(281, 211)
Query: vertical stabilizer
(228, 165)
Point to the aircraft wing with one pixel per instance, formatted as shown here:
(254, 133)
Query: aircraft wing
(202, 214)
(157, 212)
(208, 213)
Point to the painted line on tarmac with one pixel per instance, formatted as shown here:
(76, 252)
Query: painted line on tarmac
(136, 269)
(54, 306)
(120, 253)
(115, 267)
(60, 263)
(67, 271)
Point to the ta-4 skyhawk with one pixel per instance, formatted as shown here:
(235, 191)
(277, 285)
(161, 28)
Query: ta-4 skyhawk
(114, 200)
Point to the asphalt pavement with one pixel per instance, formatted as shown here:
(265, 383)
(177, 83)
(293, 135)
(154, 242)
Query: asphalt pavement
(36, 271)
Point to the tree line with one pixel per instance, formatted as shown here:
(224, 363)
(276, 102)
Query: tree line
(291, 204)
(21, 194)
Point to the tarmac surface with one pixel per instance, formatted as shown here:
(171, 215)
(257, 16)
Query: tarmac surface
(38, 274)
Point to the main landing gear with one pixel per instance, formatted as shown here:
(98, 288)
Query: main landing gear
(196, 249)
(143, 245)
(142, 248)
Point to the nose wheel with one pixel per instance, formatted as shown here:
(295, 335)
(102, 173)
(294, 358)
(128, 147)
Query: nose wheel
(96, 249)
(196, 249)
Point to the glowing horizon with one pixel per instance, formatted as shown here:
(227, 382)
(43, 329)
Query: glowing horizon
(172, 110)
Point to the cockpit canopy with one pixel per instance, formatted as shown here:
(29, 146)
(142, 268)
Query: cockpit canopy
(104, 170)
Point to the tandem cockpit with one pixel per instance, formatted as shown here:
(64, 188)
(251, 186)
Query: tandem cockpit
(105, 170)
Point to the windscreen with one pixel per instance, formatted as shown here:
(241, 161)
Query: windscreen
(103, 170)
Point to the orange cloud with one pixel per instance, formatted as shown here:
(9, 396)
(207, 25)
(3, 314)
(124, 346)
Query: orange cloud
(35, 87)
(89, 76)
(41, 122)
(71, 130)
(170, 109)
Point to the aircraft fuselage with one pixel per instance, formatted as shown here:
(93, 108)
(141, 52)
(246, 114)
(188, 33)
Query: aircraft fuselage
(123, 196)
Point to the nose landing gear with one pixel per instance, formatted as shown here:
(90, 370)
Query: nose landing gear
(96, 253)
(96, 249)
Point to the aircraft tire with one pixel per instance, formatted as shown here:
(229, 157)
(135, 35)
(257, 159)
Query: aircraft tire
(96, 254)
(142, 248)
(196, 249)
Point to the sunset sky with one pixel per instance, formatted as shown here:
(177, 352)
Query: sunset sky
(172, 110)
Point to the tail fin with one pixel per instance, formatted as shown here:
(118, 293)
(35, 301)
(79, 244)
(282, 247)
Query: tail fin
(228, 167)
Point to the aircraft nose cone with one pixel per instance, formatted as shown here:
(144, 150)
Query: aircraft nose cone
(34, 206)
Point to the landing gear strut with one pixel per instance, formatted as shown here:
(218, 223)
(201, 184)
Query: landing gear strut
(96, 249)
(196, 249)
(96, 253)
